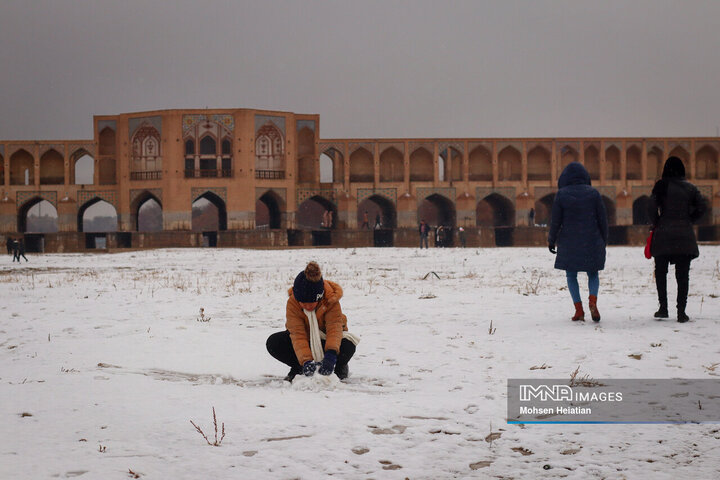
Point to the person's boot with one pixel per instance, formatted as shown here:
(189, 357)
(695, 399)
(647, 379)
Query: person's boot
(579, 313)
(292, 374)
(662, 311)
(682, 316)
(594, 313)
(342, 371)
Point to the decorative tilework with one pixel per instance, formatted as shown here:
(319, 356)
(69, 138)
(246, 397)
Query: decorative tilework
(397, 146)
(637, 192)
(135, 123)
(456, 146)
(23, 197)
(106, 123)
(516, 145)
(617, 145)
(88, 147)
(327, 194)
(507, 192)
(155, 192)
(653, 144)
(280, 192)
(196, 193)
(370, 147)
(324, 147)
(84, 196)
(227, 122)
(279, 122)
(684, 144)
(423, 193)
(706, 191)
(51, 146)
(365, 193)
(700, 145)
(429, 146)
(541, 192)
(608, 191)
(13, 149)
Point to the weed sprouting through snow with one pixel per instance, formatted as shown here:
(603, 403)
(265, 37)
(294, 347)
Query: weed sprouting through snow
(217, 442)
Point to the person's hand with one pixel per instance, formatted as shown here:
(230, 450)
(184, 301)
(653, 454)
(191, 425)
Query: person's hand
(309, 368)
(552, 249)
(328, 364)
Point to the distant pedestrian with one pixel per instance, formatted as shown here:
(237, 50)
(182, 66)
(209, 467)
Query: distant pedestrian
(531, 217)
(21, 250)
(378, 224)
(461, 235)
(579, 228)
(9, 245)
(424, 231)
(674, 204)
(365, 223)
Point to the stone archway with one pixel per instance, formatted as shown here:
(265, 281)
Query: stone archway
(543, 209)
(52, 168)
(97, 215)
(437, 210)
(392, 167)
(37, 215)
(268, 211)
(610, 210)
(495, 211)
(377, 205)
(209, 213)
(361, 166)
(311, 213)
(538, 164)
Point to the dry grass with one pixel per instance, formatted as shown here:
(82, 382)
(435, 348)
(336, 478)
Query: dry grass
(217, 442)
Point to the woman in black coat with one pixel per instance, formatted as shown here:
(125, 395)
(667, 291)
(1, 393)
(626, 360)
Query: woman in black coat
(579, 228)
(675, 204)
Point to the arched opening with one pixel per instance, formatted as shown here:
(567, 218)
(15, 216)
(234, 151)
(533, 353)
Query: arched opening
(567, 155)
(612, 163)
(538, 164)
(375, 206)
(361, 166)
(706, 163)
(106, 141)
(495, 211)
(52, 168)
(438, 211)
(313, 213)
(326, 169)
(189, 147)
(149, 215)
(209, 213)
(441, 168)
(609, 210)
(268, 211)
(480, 168)
(208, 146)
(97, 215)
(421, 166)
(306, 170)
(683, 155)
(633, 163)
(543, 209)
(452, 164)
(509, 164)
(83, 168)
(640, 211)
(37, 216)
(592, 162)
(22, 168)
(391, 165)
(655, 162)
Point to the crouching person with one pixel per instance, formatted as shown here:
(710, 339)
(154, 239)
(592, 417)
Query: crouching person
(316, 339)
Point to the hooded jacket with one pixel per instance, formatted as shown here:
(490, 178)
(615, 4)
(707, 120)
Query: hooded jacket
(579, 224)
(674, 204)
(331, 321)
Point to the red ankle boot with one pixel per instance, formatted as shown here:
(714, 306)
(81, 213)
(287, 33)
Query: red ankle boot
(579, 313)
(594, 313)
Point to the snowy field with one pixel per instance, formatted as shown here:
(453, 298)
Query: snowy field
(103, 364)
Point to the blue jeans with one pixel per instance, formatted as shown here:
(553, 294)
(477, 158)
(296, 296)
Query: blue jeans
(593, 284)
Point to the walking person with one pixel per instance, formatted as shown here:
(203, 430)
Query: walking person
(9, 245)
(579, 230)
(15, 249)
(424, 230)
(461, 235)
(378, 223)
(21, 250)
(531, 218)
(316, 336)
(365, 223)
(674, 205)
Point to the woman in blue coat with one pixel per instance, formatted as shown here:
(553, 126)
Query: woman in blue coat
(579, 228)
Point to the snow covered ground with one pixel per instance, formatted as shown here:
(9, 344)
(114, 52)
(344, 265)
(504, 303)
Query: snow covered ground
(103, 364)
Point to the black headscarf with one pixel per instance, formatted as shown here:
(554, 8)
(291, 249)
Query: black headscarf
(673, 169)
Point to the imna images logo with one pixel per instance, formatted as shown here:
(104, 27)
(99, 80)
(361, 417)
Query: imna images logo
(545, 393)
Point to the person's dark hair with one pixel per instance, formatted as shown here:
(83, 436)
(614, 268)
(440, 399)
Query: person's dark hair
(674, 168)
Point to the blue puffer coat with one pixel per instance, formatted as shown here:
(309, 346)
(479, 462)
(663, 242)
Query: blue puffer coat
(579, 225)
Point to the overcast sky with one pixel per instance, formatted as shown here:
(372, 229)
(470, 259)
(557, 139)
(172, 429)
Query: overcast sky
(369, 68)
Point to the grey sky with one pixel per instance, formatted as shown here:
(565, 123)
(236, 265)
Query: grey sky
(369, 68)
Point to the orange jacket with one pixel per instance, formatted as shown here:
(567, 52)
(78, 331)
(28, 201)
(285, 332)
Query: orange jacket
(330, 320)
